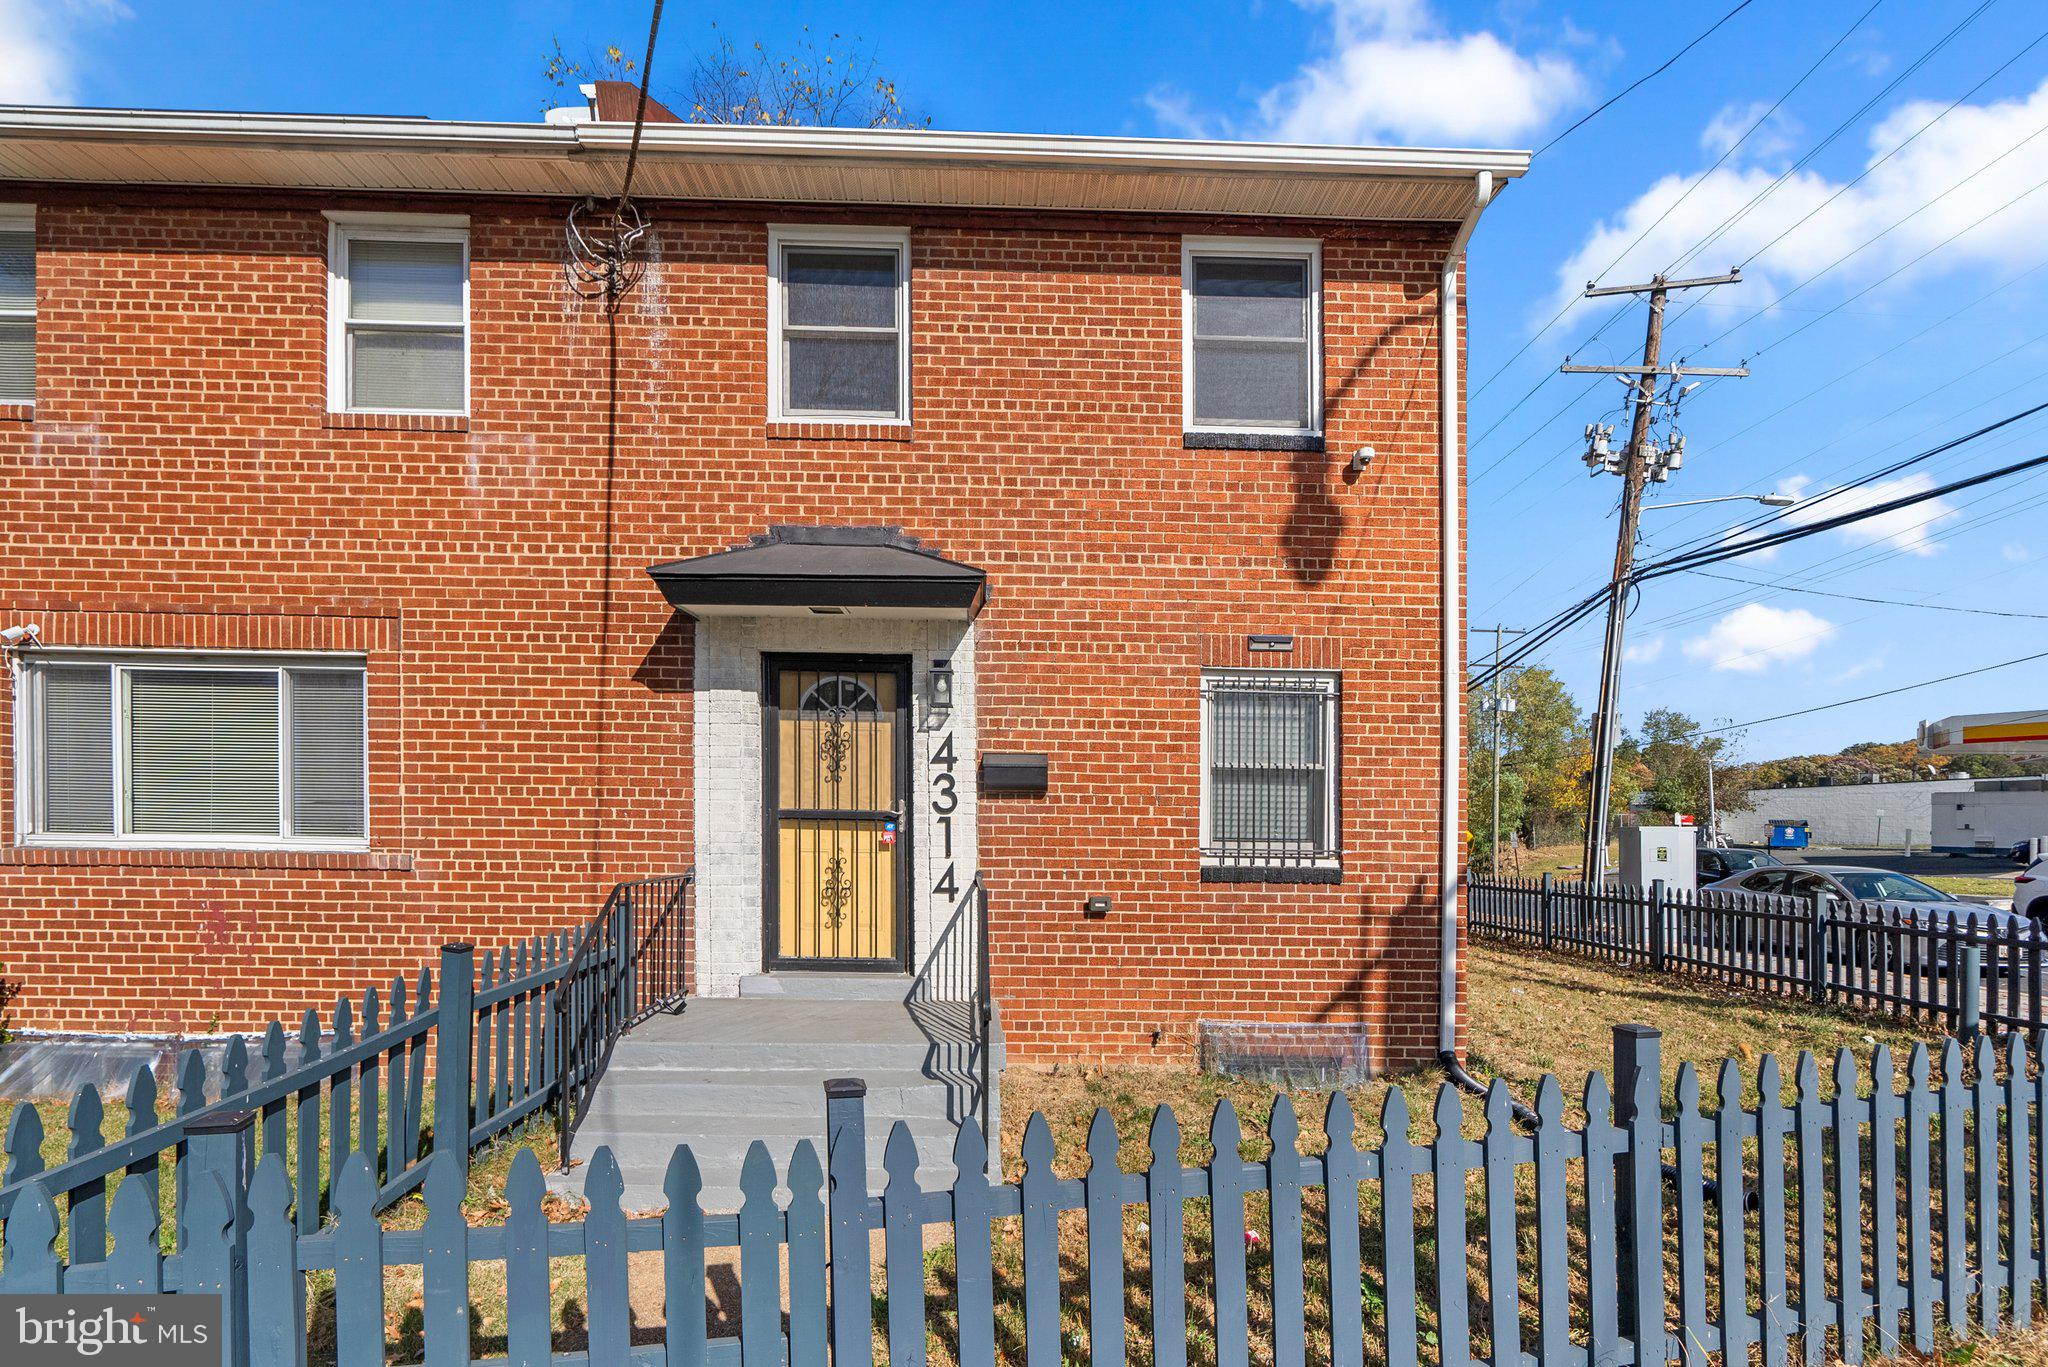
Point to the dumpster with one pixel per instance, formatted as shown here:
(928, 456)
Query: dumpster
(1788, 835)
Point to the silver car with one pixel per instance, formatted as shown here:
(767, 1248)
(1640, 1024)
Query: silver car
(1896, 892)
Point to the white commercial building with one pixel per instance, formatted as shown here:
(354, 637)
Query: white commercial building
(1952, 815)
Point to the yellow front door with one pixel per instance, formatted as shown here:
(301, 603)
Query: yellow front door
(838, 749)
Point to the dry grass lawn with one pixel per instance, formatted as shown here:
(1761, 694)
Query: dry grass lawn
(1530, 1014)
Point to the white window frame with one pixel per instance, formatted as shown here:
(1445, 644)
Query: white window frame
(784, 236)
(28, 738)
(1306, 249)
(16, 218)
(344, 227)
(1331, 683)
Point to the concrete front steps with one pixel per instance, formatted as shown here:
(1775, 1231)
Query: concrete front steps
(726, 1072)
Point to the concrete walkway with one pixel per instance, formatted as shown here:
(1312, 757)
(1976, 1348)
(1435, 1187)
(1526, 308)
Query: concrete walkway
(728, 1071)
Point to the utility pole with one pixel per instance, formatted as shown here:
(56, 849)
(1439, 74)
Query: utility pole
(1641, 461)
(1498, 707)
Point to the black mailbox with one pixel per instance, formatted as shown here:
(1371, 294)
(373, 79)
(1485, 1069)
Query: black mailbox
(1018, 773)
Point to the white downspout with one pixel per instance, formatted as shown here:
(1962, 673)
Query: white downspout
(1450, 475)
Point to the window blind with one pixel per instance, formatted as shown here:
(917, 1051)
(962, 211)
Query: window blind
(327, 753)
(78, 749)
(405, 339)
(17, 315)
(202, 752)
(1251, 345)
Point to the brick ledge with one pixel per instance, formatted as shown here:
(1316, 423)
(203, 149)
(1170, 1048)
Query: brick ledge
(399, 422)
(396, 861)
(17, 412)
(838, 431)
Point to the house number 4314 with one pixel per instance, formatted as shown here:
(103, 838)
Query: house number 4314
(945, 801)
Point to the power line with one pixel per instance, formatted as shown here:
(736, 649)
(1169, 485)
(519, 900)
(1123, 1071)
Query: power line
(1864, 598)
(1900, 147)
(1836, 132)
(1636, 84)
(1886, 693)
(1730, 150)
(1678, 563)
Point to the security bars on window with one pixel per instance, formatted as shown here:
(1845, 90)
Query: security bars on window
(1269, 745)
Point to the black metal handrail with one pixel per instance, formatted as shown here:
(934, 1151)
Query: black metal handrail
(628, 964)
(956, 974)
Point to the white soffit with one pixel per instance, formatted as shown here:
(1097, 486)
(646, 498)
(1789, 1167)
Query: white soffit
(711, 162)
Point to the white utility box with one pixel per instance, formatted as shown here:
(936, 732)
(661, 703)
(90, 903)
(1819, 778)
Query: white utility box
(1667, 852)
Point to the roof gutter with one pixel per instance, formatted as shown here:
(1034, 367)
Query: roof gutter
(1450, 481)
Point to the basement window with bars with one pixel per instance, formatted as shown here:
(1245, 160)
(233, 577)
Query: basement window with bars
(1269, 776)
(17, 305)
(398, 318)
(206, 752)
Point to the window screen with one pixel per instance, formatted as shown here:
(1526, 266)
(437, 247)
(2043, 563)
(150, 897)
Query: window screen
(842, 340)
(149, 752)
(17, 315)
(1269, 741)
(1252, 345)
(403, 329)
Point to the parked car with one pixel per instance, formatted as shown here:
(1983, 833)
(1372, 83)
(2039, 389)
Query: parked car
(1723, 861)
(1881, 888)
(2030, 892)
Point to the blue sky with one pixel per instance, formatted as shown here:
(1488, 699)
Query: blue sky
(1884, 313)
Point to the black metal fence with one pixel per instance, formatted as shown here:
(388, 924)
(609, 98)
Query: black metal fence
(1861, 955)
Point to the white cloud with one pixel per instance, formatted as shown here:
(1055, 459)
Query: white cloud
(1732, 124)
(1969, 163)
(38, 40)
(1754, 637)
(1869, 664)
(1395, 73)
(1906, 530)
(1643, 652)
(2014, 553)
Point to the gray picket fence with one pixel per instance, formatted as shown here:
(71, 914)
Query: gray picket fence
(356, 1087)
(1861, 955)
(1841, 1223)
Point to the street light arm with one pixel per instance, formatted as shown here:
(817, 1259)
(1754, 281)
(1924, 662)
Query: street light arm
(1768, 500)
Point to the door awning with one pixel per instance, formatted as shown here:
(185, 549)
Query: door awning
(792, 571)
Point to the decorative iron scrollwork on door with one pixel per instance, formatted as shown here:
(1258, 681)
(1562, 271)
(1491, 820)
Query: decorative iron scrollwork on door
(835, 892)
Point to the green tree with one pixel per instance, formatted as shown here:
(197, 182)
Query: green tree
(1544, 760)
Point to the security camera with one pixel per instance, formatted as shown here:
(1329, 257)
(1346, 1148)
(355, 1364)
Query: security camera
(30, 634)
(1361, 458)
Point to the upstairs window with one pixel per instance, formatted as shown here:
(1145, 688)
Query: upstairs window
(1251, 333)
(1269, 748)
(17, 305)
(839, 325)
(208, 751)
(398, 318)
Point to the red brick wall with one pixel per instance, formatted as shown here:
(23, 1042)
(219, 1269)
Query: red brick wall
(181, 484)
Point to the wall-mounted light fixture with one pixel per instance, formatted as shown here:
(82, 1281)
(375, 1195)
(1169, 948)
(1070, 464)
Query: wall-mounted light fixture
(939, 685)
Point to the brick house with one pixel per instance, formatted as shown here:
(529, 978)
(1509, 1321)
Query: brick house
(1081, 513)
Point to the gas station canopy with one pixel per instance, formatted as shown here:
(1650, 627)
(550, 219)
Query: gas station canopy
(2019, 734)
